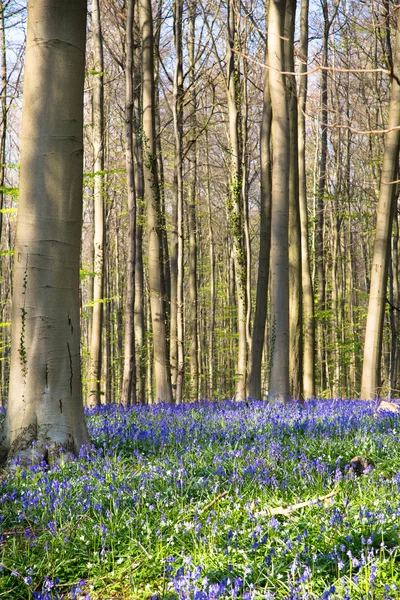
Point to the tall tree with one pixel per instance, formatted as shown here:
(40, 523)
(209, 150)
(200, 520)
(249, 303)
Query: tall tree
(258, 337)
(307, 287)
(295, 279)
(45, 399)
(163, 390)
(371, 378)
(279, 377)
(193, 172)
(129, 373)
(178, 180)
(235, 199)
(95, 349)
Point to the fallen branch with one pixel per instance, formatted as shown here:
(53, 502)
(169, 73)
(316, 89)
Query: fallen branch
(286, 510)
(210, 504)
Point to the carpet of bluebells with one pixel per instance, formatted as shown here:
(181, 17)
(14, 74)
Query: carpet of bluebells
(176, 502)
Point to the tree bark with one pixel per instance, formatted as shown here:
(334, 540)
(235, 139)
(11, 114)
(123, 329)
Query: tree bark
(94, 372)
(140, 300)
(178, 178)
(260, 316)
(129, 372)
(295, 266)
(235, 200)
(279, 387)
(192, 163)
(371, 380)
(45, 399)
(163, 390)
(306, 280)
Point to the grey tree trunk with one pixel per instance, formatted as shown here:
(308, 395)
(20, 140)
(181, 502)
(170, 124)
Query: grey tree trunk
(371, 379)
(260, 316)
(211, 337)
(279, 377)
(295, 279)
(95, 350)
(45, 398)
(307, 287)
(235, 200)
(128, 379)
(163, 390)
(178, 177)
(140, 301)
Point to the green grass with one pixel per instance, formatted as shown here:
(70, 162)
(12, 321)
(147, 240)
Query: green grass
(177, 502)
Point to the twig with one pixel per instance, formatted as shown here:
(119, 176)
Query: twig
(286, 510)
(210, 504)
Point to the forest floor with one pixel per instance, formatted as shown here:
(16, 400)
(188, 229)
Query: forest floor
(211, 500)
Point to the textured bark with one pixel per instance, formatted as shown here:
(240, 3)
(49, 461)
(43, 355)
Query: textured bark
(178, 177)
(306, 280)
(260, 316)
(163, 390)
(371, 380)
(295, 280)
(235, 200)
(128, 378)
(45, 398)
(95, 349)
(279, 377)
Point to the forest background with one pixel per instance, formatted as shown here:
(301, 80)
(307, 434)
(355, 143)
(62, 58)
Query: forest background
(221, 182)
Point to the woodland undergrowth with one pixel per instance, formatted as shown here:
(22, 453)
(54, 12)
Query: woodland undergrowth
(211, 500)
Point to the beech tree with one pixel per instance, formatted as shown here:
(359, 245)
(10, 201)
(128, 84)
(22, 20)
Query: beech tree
(371, 378)
(45, 398)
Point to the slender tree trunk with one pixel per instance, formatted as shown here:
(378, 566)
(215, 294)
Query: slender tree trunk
(235, 200)
(211, 337)
(140, 300)
(45, 398)
(306, 280)
(94, 375)
(295, 279)
(163, 390)
(319, 247)
(394, 300)
(178, 177)
(192, 161)
(371, 379)
(129, 372)
(245, 196)
(3, 115)
(279, 387)
(258, 337)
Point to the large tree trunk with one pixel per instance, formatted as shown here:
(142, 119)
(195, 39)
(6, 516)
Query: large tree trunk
(45, 399)
(371, 380)
(235, 200)
(128, 379)
(260, 317)
(308, 294)
(94, 373)
(279, 378)
(163, 390)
